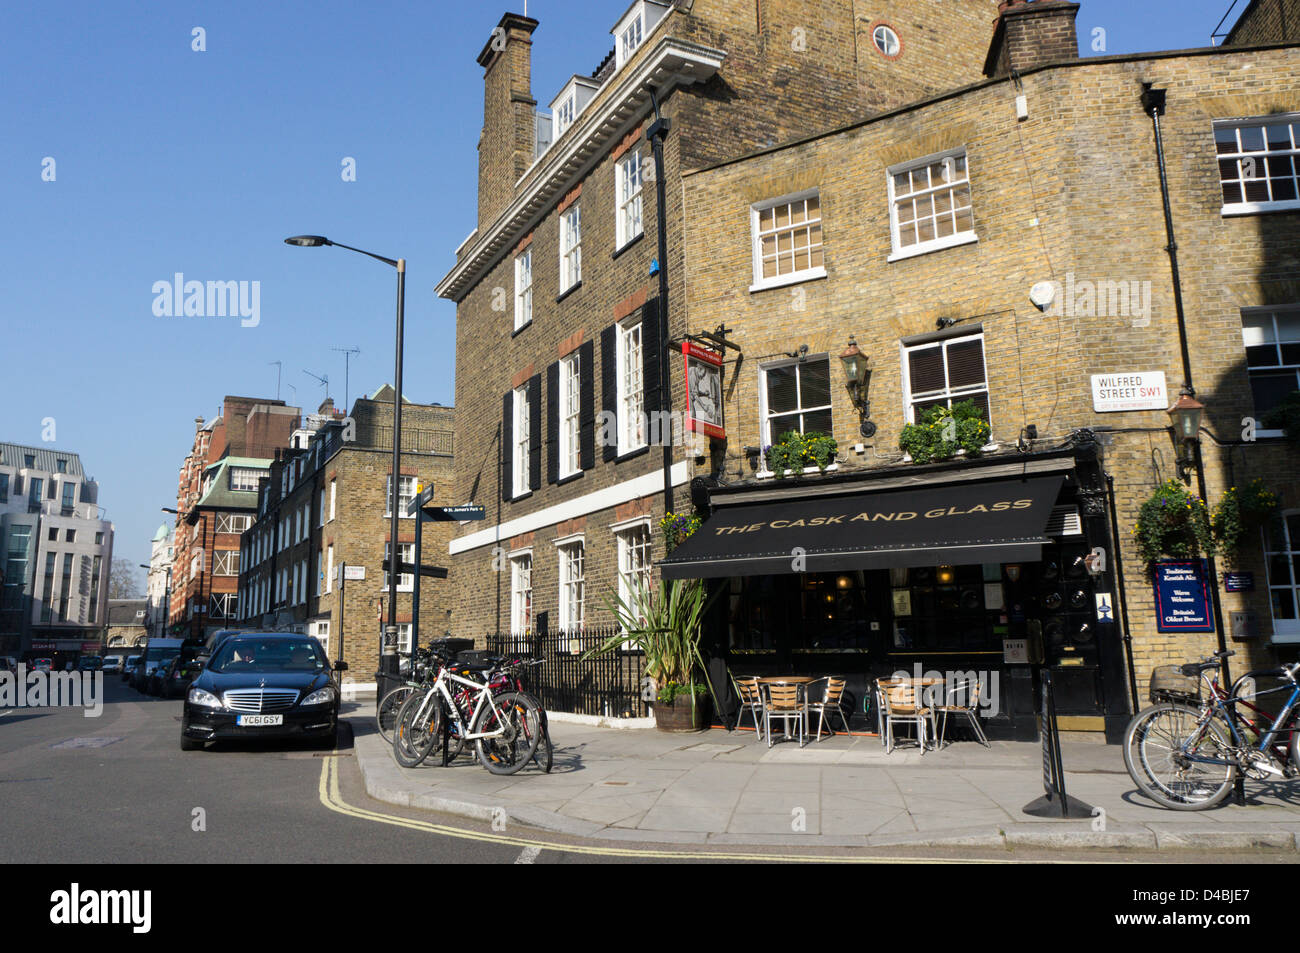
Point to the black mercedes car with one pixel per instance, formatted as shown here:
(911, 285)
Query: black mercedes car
(263, 685)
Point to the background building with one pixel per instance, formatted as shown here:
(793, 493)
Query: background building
(158, 582)
(323, 504)
(216, 499)
(57, 553)
(127, 626)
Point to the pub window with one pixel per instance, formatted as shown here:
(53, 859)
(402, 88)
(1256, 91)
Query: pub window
(930, 204)
(942, 373)
(795, 395)
(787, 240)
(1272, 340)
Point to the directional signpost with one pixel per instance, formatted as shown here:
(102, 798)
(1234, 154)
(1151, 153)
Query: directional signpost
(422, 509)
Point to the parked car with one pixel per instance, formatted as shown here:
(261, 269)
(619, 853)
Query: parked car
(156, 652)
(112, 665)
(89, 663)
(263, 685)
(41, 664)
(175, 681)
(128, 670)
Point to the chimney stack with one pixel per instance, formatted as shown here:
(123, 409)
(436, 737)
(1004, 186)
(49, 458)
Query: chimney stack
(1028, 34)
(505, 147)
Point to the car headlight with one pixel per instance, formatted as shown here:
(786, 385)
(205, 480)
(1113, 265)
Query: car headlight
(208, 700)
(322, 696)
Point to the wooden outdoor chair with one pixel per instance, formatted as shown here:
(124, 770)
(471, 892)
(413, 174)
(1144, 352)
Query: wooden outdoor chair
(832, 701)
(962, 700)
(787, 703)
(900, 705)
(751, 700)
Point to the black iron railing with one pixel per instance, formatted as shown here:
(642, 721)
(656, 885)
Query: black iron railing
(609, 685)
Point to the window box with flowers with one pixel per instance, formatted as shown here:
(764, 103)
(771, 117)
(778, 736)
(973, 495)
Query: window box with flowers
(945, 432)
(1174, 523)
(800, 452)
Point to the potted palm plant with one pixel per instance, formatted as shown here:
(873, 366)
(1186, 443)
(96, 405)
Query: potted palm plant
(664, 623)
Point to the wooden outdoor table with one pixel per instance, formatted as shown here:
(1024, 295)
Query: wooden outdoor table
(790, 679)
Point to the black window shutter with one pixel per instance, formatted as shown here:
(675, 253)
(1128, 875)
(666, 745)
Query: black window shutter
(553, 423)
(507, 446)
(609, 387)
(587, 405)
(534, 393)
(650, 355)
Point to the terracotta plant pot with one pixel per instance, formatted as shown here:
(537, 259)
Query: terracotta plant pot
(679, 716)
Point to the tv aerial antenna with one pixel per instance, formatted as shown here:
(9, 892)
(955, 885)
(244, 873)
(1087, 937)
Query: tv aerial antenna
(347, 357)
(323, 381)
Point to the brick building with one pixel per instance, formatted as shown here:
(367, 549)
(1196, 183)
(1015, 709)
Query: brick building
(556, 288)
(933, 223)
(216, 499)
(324, 504)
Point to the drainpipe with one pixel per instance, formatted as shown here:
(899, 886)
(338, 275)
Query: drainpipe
(1153, 102)
(656, 133)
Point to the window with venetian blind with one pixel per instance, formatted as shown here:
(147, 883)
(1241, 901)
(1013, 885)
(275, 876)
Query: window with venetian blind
(942, 373)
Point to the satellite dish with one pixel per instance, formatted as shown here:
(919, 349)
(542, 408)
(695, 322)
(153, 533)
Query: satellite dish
(1042, 295)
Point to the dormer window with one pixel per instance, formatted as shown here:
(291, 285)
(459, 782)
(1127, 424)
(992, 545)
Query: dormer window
(636, 24)
(564, 114)
(568, 106)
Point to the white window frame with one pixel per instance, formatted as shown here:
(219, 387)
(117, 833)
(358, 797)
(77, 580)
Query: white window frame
(521, 435)
(233, 522)
(320, 508)
(758, 232)
(329, 569)
(1284, 630)
(1245, 158)
(404, 637)
(951, 394)
(880, 48)
(572, 552)
(522, 608)
(225, 562)
(403, 498)
(571, 247)
(628, 567)
(765, 435)
(631, 385)
(334, 486)
(900, 251)
(1277, 342)
(405, 554)
(628, 178)
(570, 412)
(246, 475)
(630, 38)
(524, 288)
(563, 114)
(322, 635)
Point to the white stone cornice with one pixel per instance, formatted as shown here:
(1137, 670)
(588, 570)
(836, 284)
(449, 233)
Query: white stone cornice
(673, 62)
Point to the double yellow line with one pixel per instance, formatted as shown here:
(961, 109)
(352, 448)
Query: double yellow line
(330, 797)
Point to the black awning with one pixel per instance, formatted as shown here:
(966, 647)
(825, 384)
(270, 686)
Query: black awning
(994, 522)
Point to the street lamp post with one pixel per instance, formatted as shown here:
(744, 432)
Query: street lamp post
(388, 649)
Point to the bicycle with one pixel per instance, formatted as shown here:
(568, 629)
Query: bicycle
(1186, 754)
(505, 727)
(388, 707)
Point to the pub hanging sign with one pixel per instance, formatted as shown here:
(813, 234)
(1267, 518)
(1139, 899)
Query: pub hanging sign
(1182, 597)
(703, 390)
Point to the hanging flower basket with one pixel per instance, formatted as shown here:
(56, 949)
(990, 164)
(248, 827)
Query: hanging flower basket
(1242, 513)
(1173, 522)
(677, 528)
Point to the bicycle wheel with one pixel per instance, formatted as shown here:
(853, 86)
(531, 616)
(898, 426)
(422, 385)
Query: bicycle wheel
(545, 753)
(386, 712)
(516, 726)
(1156, 747)
(416, 729)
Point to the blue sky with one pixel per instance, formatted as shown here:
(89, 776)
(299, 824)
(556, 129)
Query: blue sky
(171, 160)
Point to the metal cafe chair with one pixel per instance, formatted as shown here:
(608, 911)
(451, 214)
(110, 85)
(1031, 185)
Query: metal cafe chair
(963, 699)
(832, 701)
(900, 705)
(751, 699)
(785, 701)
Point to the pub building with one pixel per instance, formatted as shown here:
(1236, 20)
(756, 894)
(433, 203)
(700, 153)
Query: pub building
(977, 568)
